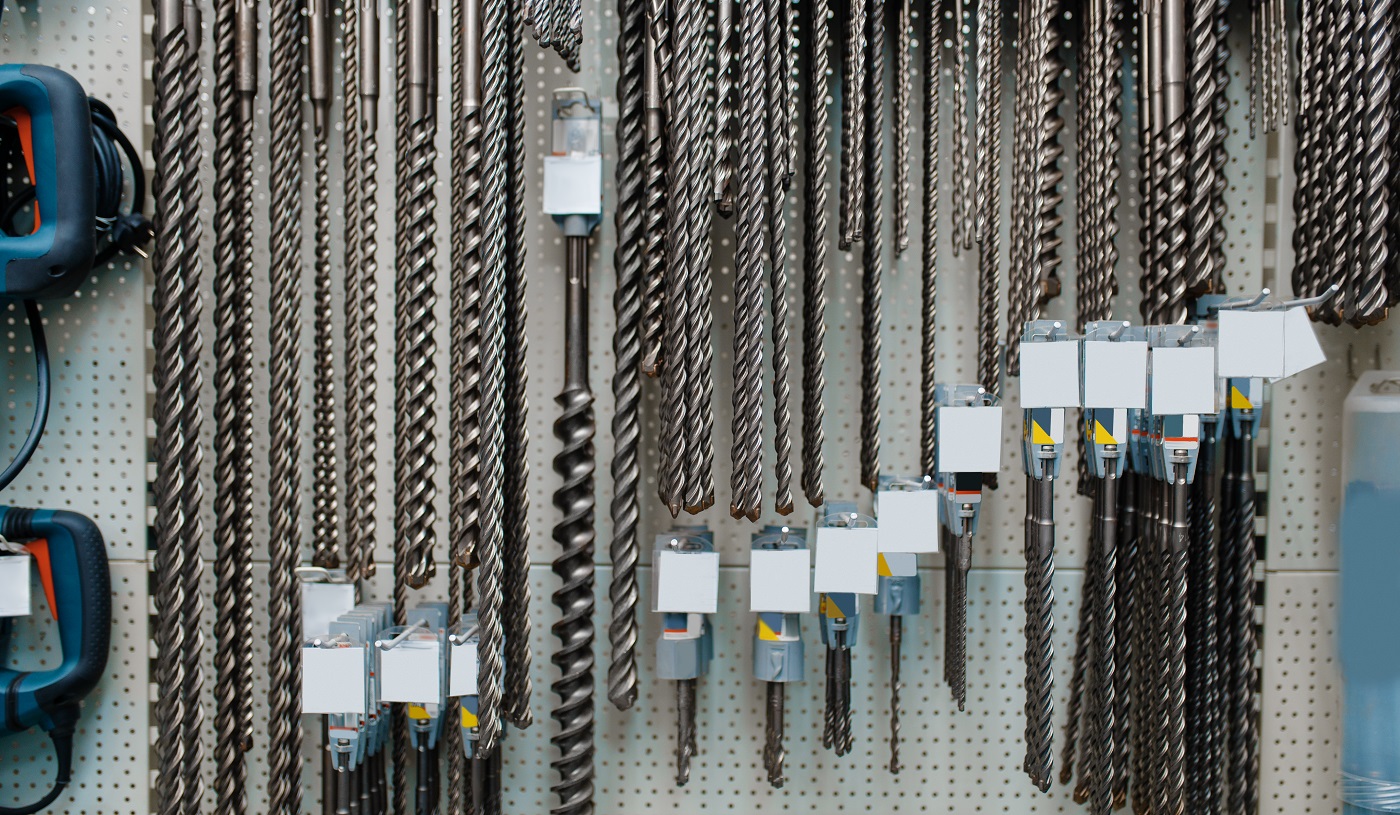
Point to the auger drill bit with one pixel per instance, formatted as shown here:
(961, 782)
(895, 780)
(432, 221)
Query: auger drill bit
(574, 533)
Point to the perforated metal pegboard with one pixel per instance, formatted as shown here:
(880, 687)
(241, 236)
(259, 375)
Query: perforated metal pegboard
(93, 460)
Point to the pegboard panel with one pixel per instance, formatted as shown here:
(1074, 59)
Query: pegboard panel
(111, 767)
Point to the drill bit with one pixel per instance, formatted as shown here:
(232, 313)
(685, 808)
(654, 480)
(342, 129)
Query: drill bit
(627, 346)
(1372, 296)
(685, 729)
(574, 564)
(1204, 745)
(325, 537)
(779, 138)
(1077, 681)
(963, 226)
(1040, 598)
(1124, 704)
(1177, 548)
(872, 255)
(853, 126)
(1244, 728)
(989, 133)
(654, 207)
(1102, 694)
(814, 227)
(726, 106)
(773, 753)
(844, 738)
(903, 73)
(829, 709)
(896, 645)
(961, 564)
(928, 258)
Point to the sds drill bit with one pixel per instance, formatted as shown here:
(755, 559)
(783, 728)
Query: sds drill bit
(903, 73)
(989, 133)
(814, 246)
(872, 254)
(963, 214)
(780, 136)
(778, 652)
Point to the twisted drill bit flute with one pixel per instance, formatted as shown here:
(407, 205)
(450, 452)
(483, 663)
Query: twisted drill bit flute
(814, 243)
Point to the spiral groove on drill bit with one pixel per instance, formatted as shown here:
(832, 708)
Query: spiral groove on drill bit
(1206, 549)
(325, 503)
(928, 256)
(896, 640)
(989, 133)
(853, 125)
(963, 227)
(904, 78)
(629, 218)
(814, 251)
(233, 417)
(779, 138)
(1244, 734)
(872, 255)
(685, 729)
(1086, 183)
(1201, 90)
(656, 68)
(1372, 297)
(1078, 674)
(957, 604)
(1123, 702)
(725, 105)
(516, 477)
(773, 753)
(284, 510)
(1103, 692)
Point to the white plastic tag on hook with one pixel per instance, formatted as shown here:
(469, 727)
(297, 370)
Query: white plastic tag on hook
(1301, 349)
(780, 581)
(908, 520)
(573, 185)
(847, 560)
(322, 604)
(1183, 381)
(1115, 375)
(686, 582)
(464, 670)
(15, 600)
(333, 679)
(411, 671)
(1049, 374)
(1251, 343)
(969, 439)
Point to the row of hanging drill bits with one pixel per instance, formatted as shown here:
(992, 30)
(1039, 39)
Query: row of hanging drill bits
(1344, 204)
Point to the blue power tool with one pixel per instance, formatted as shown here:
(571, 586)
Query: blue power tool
(71, 558)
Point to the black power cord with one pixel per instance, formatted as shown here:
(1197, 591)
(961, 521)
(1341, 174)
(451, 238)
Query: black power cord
(116, 161)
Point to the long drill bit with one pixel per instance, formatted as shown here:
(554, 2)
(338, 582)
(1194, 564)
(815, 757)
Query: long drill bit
(1201, 93)
(853, 126)
(325, 502)
(1205, 550)
(779, 137)
(627, 348)
(989, 132)
(1074, 713)
(1244, 727)
(814, 228)
(963, 224)
(284, 510)
(928, 237)
(654, 228)
(1103, 689)
(903, 73)
(753, 178)
(574, 563)
(1123, 602)
(233, 413)
(872, 255)
(1371, 296)
(726, 104)
(896, 647)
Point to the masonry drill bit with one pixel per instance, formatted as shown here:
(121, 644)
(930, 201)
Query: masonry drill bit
(1039, 628)
(1203, 748)
(627, 347)
(685, 733)
(726, 106)
(903, 73)
(654, 207)
(574, 564)
(1075, 711)
(896, 647)
(872, 255)
(989, 133)
(1176, 664)
(814, 242)
(959, 567)
(1371, 296)
(853, 125)
(1123, 607)
(779, 138)
(1103, 692)
(963, 225)
(928, 256)
(1243, 745)
(773, 752)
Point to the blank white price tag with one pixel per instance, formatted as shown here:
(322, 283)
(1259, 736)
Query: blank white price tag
(1049, 374)
(573, 185)
(969, 439)
(462, 676)
(687, 583)
(1251, 344)
(1115, 375)
(847, 560)
(333, 680)
(780, 580)
(14, 586)
(1301, 350)
(322, 604)
(411, 672)
(1183, 381)
(908, 520)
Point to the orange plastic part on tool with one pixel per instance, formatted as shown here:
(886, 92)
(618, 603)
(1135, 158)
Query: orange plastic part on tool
(39, 550)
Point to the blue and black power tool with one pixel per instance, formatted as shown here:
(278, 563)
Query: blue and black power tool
(71, 557)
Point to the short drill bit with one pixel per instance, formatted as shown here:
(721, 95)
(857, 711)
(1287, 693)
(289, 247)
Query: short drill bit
(773, 752)
(685, 730)
(896, 646)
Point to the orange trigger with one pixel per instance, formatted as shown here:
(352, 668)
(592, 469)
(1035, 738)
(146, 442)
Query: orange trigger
(39, 550)
(25, 126)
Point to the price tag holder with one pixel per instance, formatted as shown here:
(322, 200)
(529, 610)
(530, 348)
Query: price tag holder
(1251, 344)
(898, 564)
(847, 560)
(573, 185)
(1115, 375)
(411, 671)
(322, 604)
(780, 581)
(908, 520)
(15, 599)
(686, 582)
(1183, 381)
(1301, 349)
(465, 668)
(969, 439)
(333, 680)
(1050, 374)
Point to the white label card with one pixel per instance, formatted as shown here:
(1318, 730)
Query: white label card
(411, 672)
(15, 600)
(1183, 381)
(908, 520)
(780, 580)
(573, 185)
(847, 560)
(1251, 343)
(899, 564)
(322, 604)
(333, 680)
(1115, 375)
(687, 582)
(1049, 374)
(969, 439)
(462, 676)
(1301, 350)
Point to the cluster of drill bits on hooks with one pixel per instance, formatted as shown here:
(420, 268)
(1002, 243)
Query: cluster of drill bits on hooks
(557, 24)
(1346, 212)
